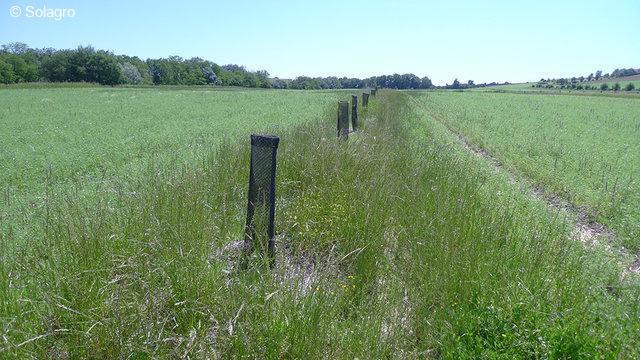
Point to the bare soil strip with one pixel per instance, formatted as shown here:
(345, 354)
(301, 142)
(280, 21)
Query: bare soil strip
(586, 230)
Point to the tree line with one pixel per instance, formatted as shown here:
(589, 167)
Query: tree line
(585, 86)
(588, 82)
(20, 63)
(584, 82)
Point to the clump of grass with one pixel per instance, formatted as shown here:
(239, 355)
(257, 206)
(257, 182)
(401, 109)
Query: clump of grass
(406, 256)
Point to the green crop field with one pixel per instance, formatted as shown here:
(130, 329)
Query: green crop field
(584, 149)
(82, 131)
(398, 243)
(623, 83)
(63, 138)
(529, 87)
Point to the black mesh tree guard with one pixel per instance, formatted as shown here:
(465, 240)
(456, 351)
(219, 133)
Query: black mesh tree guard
(354, 112)
(343, 119)
(365, 99)
(261, 209)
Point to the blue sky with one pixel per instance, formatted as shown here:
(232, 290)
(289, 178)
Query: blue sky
(480, 40)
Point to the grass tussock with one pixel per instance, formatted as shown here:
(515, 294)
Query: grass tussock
(389, 247)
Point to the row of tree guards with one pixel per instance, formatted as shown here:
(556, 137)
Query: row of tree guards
(259, 231)
(343, 114)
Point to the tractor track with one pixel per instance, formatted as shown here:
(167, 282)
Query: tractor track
(585, 229)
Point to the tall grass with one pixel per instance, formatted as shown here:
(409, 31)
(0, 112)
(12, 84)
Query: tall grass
(581, 148)
(388, 245)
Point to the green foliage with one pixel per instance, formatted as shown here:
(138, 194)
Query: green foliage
(141, 67)
(604, 87)
(630, 87)
(23, 61)
(625, 72)
(24, 71)
(7, 76)
(395, 244)
(616, 87)
(305, 83)
(82, 65)
(130, 74)
(85, 64)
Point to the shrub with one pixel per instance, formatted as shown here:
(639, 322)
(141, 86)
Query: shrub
(604, 87)
(7, 75)
(616, 86)
(130, 73)
(630, 87)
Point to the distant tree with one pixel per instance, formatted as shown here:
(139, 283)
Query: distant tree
(7, 76)
(55, 66)
(82, 64)
(598, 74)
(17, 48)
(262, 77)
(470, 83)
(590, 77)
(425, 83)
(616, 86)
(350, 83)
(604, 87)
(630, 87)
(143, 68)
(624, 72)
(24, 69)
(305, 83)
(211, 76)
(176, 71)
(233, 67)
(130, 74)
(102, 67)
(85, 64)
(456, 84)
(330, 82)
(277, 83)
(408, 81)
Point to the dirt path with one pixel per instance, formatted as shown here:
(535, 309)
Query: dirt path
(586, 230)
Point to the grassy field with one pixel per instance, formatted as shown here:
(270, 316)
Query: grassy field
(99, 137)
(528, 87)
(622, 81)
(635, 79)
(585, 149)
(84, 131)
(395, 244)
